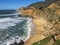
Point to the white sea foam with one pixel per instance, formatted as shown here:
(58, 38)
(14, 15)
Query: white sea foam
(11, 40)
(8, 22)
(9, 14)
(29, 24)
(17, 38)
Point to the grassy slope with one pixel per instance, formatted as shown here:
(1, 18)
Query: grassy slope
(42, 42)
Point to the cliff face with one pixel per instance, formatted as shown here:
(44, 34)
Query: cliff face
(50, 15)
(46, 20)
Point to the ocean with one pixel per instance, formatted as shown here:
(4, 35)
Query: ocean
(13, 28)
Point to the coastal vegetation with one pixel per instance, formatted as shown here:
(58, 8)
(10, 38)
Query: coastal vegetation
(42, 42)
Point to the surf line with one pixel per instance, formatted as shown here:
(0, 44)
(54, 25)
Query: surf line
(29, 24)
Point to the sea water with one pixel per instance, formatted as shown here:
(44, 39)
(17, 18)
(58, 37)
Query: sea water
(14, 28)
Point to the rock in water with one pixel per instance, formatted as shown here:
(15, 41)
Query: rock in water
(20, 43)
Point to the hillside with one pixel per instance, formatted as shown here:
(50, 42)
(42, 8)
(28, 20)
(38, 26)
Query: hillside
(47, 31)
(44, 4)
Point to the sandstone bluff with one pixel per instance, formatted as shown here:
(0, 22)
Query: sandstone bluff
(46, 21)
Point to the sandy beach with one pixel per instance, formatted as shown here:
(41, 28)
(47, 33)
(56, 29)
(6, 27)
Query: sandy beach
(36, 33)
(34, 37)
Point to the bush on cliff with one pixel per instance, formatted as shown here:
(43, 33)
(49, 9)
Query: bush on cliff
(42, 42)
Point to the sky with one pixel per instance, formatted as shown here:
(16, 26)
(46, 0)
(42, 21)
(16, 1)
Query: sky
(14, 4)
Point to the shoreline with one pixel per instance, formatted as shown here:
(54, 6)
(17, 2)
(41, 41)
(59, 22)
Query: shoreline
(27, 41)
(33, 35)
(33, 38)
(29, 29)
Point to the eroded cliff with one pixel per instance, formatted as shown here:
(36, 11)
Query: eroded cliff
(46, 21)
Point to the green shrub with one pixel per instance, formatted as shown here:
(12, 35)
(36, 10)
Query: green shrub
(42, 42)
(57, 42)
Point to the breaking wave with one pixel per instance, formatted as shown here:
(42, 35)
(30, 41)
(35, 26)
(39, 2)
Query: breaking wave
(14, 29)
